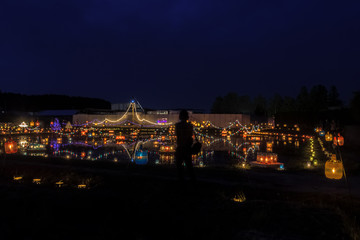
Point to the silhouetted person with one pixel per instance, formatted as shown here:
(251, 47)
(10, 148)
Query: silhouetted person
(184, 136)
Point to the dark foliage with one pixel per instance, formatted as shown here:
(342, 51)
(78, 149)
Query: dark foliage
(355, 107)
(309, 107)
(34, 103)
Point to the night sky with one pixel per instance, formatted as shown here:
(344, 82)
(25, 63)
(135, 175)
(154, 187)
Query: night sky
(171, 54)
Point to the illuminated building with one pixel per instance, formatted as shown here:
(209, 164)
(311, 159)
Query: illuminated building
(135, 114)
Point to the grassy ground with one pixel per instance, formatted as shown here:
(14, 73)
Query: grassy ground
(129, 202)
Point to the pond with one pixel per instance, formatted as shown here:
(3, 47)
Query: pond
(290, 150)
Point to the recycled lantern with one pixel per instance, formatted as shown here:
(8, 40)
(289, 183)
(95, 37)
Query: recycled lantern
(269, 146)
(322, 133)
(328, 137)
(11, 147)
(339, 140)
(266, 158)
(141, 157)
(334, 168)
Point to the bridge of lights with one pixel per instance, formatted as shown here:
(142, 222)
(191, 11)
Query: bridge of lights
(229, 123)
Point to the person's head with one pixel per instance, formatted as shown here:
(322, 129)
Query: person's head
(184, 115)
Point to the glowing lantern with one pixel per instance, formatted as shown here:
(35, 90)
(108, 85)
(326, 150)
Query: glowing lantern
(37, 123)
(17, 178)
(339, 140)
(328, 137)
(37, 180)
(322, 133)
(239, 197)
(59, 183)
(23, 125)
(68, 126)
(11, 147)
(266, 158)
(141, 157)
(334, 168)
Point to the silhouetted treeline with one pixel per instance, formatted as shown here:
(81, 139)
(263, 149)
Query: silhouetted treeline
(355, 106)
(311, 106)
(35, 103)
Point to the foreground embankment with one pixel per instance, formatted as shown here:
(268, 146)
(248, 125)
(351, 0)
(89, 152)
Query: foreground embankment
(132, 202)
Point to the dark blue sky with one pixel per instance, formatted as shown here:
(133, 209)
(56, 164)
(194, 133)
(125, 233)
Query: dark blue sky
(115, 49)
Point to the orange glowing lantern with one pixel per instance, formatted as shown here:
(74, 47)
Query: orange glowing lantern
(328, 137)
(260, 157)
(266, 158)
(339, 140)
(333, 168)
(11, 147)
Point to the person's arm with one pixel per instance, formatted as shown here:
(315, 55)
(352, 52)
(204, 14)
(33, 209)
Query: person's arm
(192, 132)
(176, 131)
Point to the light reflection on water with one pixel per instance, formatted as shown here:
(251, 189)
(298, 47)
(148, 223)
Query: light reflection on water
(215, 151)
